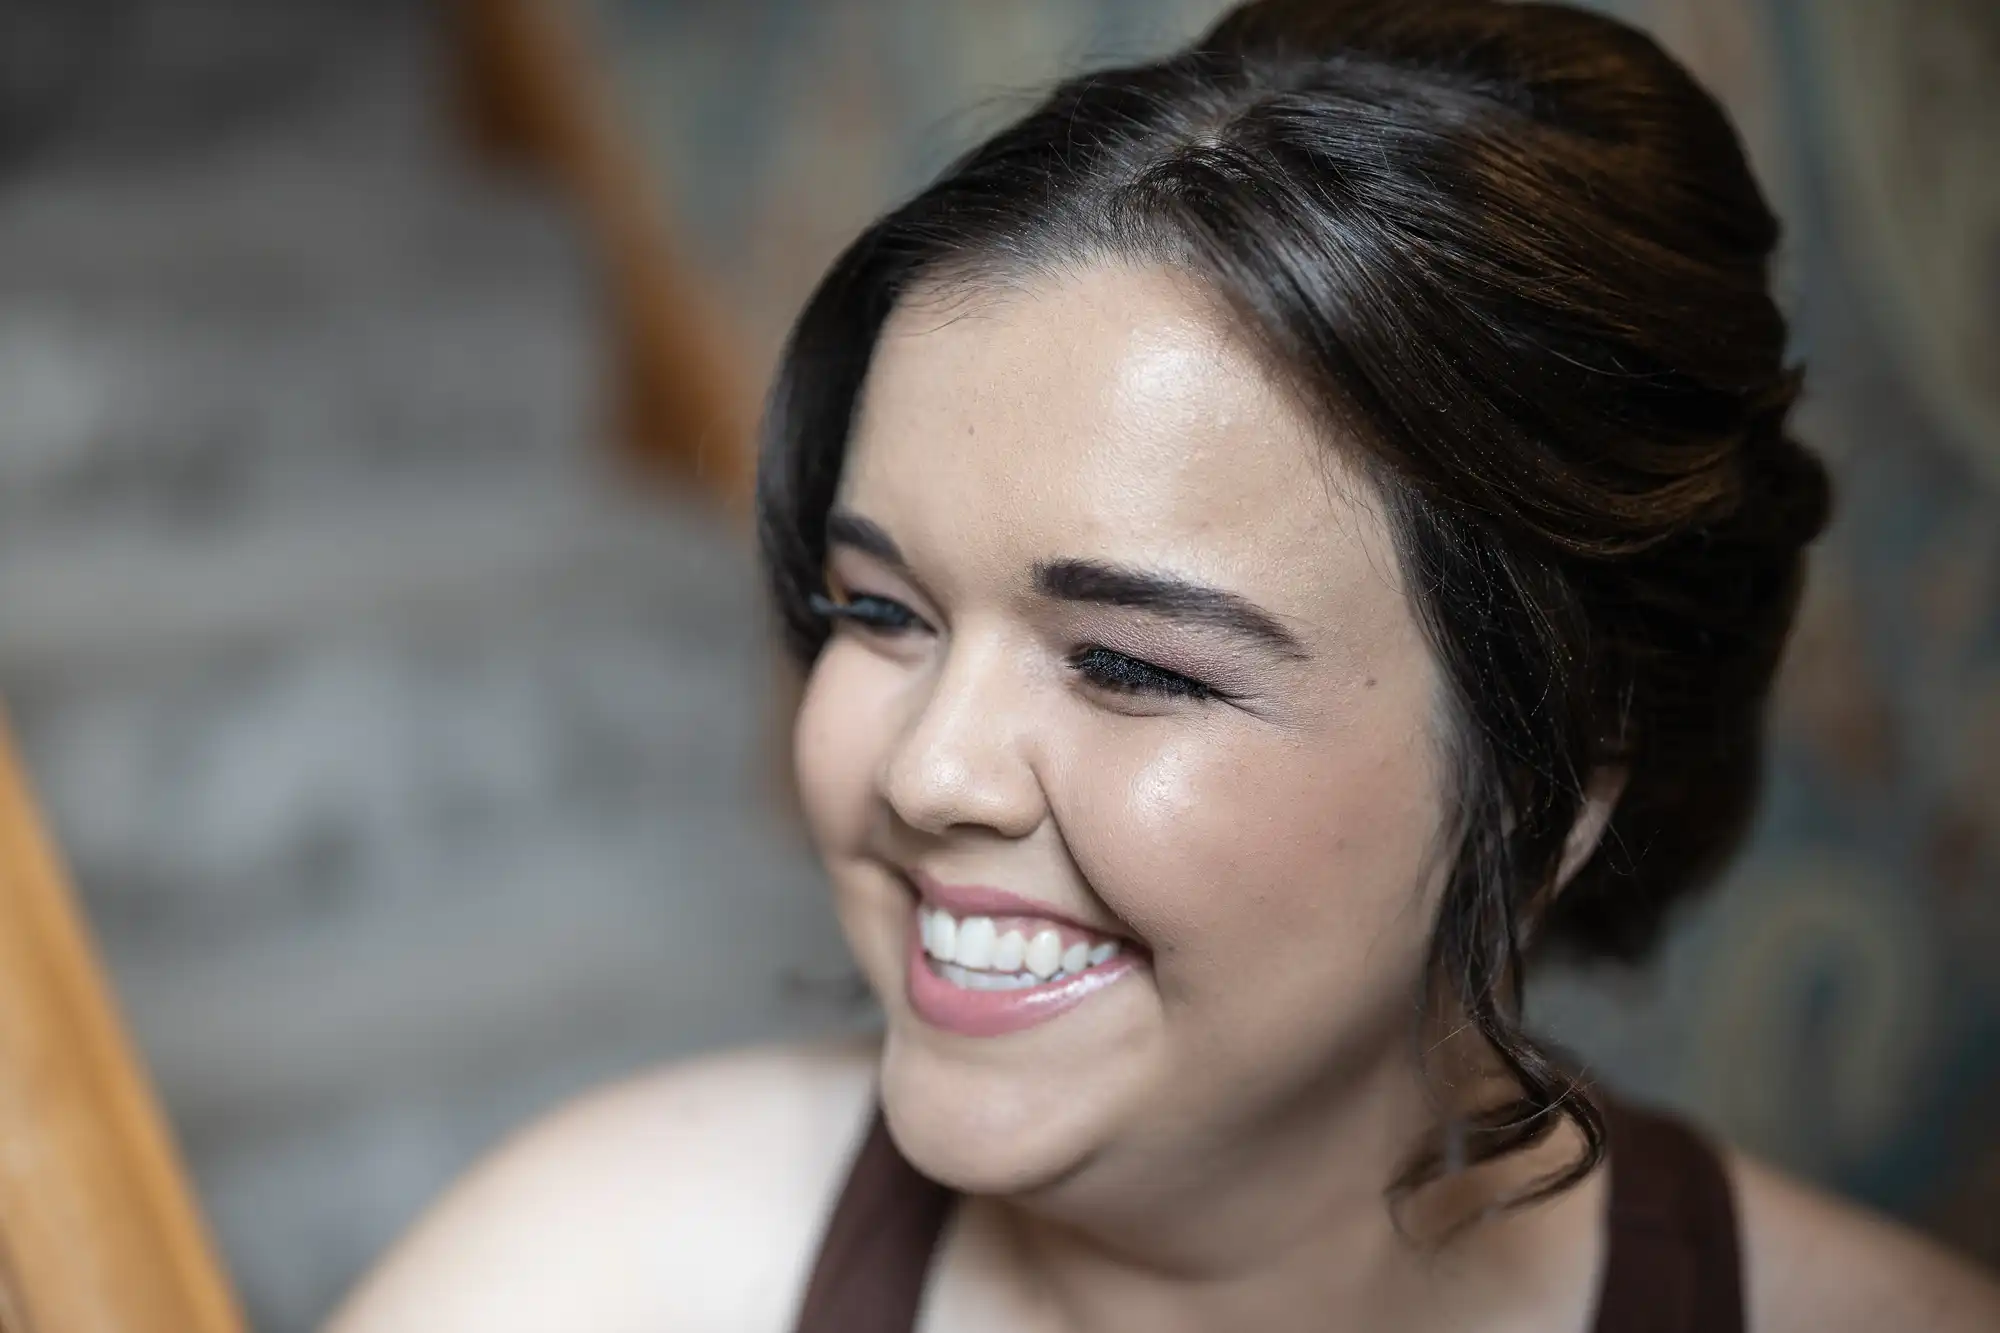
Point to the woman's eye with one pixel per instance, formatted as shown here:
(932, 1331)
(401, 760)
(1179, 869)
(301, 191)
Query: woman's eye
(1128, 675)
(1100, 666)
(878, 613)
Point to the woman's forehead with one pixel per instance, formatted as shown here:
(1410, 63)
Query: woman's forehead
(1112, 409)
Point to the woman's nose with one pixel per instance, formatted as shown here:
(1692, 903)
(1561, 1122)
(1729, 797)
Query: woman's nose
(962, 759)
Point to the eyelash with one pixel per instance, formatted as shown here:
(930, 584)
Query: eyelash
(1100, 666)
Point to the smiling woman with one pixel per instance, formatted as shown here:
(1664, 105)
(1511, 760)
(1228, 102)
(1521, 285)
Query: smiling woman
(1279, 536)
(1226, 752)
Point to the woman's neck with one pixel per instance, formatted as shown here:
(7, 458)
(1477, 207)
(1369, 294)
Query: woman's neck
(1287, 1223)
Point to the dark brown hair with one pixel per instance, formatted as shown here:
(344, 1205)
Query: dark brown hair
(1515, 253)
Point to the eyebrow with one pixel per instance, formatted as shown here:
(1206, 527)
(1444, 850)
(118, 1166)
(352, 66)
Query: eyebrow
(1106, 584)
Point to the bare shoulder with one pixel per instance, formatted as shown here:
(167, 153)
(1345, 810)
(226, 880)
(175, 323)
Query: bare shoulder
(1815, 1262)
(685, 1199)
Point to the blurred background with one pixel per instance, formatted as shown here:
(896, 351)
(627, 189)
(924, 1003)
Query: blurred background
(380, 628)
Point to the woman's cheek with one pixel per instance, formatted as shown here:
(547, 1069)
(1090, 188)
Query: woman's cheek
(839, 733)
(1141, 823)
(1210, 846)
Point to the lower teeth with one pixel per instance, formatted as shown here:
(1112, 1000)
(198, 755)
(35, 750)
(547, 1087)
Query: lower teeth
(971, 980)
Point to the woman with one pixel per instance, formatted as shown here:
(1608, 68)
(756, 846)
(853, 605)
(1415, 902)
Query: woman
(1279, 535)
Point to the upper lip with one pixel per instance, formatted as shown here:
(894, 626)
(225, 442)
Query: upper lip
(963, 900)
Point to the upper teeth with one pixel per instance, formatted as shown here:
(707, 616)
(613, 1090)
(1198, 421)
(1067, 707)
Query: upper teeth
(975, 943)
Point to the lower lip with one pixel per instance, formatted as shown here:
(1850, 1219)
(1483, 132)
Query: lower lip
(992, 1013)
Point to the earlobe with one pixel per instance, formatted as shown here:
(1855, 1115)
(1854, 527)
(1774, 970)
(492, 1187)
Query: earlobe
(1607, 784)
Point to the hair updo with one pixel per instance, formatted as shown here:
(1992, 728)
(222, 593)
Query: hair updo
(1515, 254)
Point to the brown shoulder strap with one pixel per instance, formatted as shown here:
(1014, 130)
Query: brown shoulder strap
(876, 1251)
(1672, 1263)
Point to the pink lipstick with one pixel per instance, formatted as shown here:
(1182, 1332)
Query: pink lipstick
(991, 1013)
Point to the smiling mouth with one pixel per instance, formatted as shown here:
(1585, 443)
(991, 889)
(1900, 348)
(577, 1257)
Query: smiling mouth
(1003, 995)
(1008, 953)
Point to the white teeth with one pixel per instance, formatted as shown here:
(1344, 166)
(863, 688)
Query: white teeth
(943, 941)
(972, 952)
(976, 939)
(1044, 954)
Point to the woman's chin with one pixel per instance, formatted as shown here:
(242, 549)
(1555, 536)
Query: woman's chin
(983, 1129)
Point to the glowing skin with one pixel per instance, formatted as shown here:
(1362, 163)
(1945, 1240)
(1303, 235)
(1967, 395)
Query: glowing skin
(1231, 1111)
(1271, 855)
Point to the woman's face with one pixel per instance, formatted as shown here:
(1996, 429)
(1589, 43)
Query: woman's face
(1125, 641)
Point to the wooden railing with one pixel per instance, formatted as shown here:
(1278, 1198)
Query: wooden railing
(535, 96)
(98, 1230)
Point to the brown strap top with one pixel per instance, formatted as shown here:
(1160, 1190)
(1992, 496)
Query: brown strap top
(1671, 1263)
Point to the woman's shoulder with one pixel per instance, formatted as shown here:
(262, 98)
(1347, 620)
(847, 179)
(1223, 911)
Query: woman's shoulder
(1815, 1262)
(687, 1198)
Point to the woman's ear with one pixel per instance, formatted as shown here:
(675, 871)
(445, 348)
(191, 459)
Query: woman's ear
(1599, 800)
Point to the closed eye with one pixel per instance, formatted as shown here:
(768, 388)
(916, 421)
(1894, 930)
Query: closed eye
(877, 613)
(1100, 667)
(1128, 675)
